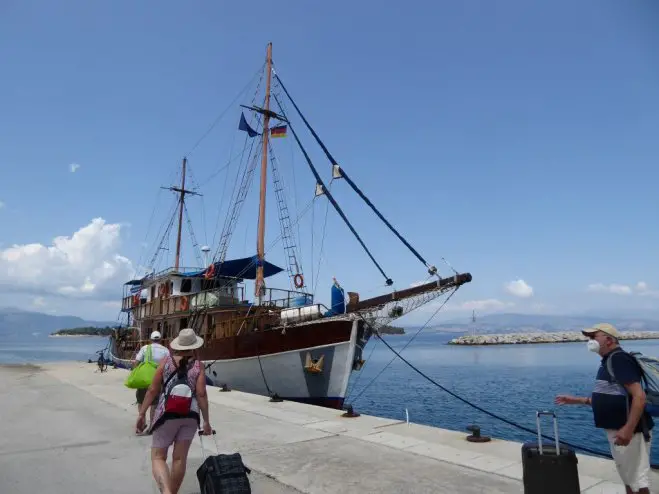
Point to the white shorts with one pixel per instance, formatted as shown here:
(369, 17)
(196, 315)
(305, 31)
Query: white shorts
(632, 461)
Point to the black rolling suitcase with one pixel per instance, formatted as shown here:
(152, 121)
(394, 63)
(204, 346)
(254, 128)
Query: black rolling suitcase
(222, 474)
(549, 468)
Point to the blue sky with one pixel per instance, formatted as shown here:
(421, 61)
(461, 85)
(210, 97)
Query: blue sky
(516, 139)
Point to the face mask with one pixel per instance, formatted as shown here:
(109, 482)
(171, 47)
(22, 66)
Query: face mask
(593, 346)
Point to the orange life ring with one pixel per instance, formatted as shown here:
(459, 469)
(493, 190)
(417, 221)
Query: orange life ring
(185, 305)
(298, 279)
(136, 299)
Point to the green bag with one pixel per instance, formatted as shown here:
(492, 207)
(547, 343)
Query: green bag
(142, 375)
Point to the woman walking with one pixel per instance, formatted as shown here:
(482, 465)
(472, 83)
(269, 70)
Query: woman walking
(179, 386)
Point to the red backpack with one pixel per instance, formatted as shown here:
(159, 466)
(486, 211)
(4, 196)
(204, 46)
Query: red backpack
(178, 393)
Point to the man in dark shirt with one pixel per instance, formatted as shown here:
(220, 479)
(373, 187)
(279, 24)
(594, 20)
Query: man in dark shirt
(618, 404)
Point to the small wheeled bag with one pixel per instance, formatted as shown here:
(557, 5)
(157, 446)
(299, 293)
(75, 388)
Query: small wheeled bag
(549, 468)
(222, 474)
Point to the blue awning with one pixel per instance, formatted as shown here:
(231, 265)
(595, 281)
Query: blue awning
(244, 268)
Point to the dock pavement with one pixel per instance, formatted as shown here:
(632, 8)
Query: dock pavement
(68, 429)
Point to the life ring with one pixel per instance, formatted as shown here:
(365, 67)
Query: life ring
(161, 290)
(136, 299)
(298, 279)
(185, 305)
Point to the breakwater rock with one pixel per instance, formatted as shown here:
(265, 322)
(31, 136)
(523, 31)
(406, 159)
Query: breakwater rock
(529, 338)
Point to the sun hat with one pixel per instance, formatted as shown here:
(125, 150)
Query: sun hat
(155, 335)
(604, 328)
(186, 340)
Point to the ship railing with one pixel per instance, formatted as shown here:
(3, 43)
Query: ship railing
(284, 299)
(213, 297)
(171, 270)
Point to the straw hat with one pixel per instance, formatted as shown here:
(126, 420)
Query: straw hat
(186, 340)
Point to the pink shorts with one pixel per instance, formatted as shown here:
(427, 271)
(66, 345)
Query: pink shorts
(174, 430)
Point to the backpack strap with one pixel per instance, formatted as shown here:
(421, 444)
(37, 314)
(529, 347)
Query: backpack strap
(175, 373)
(149, 353)
(609, 363)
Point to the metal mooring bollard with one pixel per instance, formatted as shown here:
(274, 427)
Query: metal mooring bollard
(350, 412)
(475, 436)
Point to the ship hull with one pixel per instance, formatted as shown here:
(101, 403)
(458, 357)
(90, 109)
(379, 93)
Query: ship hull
(287, 373)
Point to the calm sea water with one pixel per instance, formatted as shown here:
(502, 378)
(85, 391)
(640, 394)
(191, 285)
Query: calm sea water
(512, 381)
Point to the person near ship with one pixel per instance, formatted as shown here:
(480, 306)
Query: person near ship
(158, 353)
(171, 428)
(619, 408)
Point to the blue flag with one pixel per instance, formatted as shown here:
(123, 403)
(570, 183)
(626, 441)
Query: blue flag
(245, 126)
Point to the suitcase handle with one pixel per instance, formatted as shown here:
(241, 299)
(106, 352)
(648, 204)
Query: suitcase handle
(201, 442)
(537, 420)
(201, 432)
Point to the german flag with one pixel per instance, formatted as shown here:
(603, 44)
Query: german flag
(279, 131)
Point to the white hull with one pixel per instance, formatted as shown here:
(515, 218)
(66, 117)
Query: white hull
(284, 373)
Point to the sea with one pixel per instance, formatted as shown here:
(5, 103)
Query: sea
(510, 381)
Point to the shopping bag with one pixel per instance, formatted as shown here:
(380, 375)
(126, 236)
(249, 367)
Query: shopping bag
(142, 375)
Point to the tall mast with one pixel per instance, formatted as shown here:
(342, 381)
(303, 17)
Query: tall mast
(260, 246)
(181, 202)
(180, 215)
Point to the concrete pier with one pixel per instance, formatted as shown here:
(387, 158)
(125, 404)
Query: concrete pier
(68, 429)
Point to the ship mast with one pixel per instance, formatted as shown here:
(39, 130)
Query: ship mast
(182, 192)
(260, 246)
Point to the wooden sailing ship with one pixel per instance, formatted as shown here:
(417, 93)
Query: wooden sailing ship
(281, 342)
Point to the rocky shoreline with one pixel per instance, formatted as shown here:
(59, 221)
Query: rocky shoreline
(534, 338)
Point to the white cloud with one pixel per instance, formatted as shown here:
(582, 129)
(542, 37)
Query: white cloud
(490, 304)
(641, 288)
(519, 288)
(74, 167)
(2, 204)
(85, 265)
(38, 302)
(611, 288)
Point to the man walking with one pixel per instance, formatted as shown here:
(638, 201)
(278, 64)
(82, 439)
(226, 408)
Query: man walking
(618, 402)
(158, 352)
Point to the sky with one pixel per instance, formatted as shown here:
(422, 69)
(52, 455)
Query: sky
(516, 140)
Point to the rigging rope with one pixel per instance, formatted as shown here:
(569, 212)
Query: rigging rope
(217, 120)
(334, 203)
(431, 269)
(322, 245)
(406, 344)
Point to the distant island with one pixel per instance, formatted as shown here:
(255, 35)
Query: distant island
(391, 330)
(531, 338)
(85, 331)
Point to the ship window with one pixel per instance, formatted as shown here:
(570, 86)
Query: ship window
(184, 323)
(186, 286)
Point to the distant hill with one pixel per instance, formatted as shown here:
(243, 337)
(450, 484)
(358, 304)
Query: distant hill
(531, 323)
(17, 322)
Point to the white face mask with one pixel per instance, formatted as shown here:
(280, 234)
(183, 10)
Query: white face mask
(593, 346)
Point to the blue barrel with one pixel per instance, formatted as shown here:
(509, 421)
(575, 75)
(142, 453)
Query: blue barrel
(338, 300)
